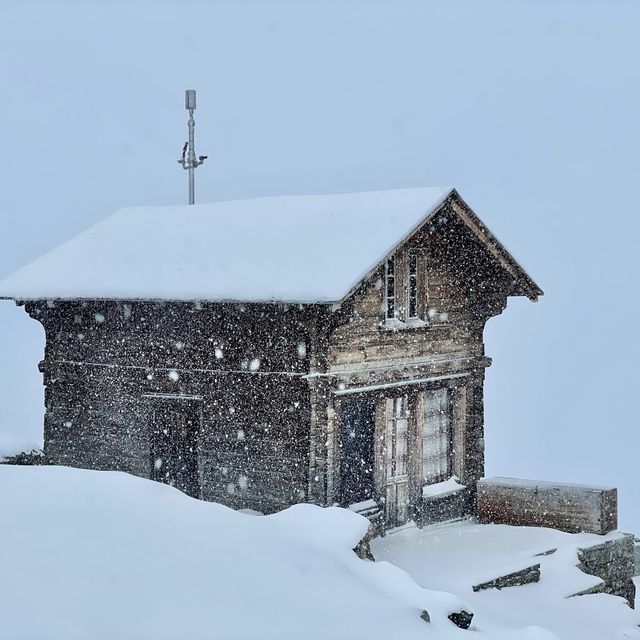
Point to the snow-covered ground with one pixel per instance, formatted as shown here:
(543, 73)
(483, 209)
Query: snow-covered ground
(455, 556)
(103, 555)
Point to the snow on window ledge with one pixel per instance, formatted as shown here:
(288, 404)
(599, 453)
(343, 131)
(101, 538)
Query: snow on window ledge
(395, 324)
(441, 489)
(415, 323)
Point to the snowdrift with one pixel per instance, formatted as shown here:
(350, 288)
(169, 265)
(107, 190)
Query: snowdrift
(103, 555)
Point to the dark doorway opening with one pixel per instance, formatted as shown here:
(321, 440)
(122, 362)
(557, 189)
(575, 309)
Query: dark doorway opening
(357, 420)
(174, 444)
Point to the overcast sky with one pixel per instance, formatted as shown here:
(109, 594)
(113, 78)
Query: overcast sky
(529, 108)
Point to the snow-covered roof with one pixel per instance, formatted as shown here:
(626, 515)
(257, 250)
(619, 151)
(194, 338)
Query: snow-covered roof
(287, 249)
(291, 248)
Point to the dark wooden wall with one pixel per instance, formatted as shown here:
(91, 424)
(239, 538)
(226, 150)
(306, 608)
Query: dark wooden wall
(105, 360)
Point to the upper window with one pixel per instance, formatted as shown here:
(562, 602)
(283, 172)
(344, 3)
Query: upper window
(412, 290)
(436, 439)
(390, 290)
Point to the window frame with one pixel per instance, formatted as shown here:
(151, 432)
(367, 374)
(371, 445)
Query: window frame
(390, 277)
(397, 411)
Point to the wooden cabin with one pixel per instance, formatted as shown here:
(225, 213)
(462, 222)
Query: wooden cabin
(264, 352)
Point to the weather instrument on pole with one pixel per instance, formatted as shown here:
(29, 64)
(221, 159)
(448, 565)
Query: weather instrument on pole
(188, 159)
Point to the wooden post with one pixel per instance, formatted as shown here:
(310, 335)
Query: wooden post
(473, 468)
(319, 391)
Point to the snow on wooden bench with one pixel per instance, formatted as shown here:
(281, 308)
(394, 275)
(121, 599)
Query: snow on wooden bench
(567, 507)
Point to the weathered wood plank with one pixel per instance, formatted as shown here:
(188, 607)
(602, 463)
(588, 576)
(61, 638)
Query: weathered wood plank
(566, 507)
(527, 575)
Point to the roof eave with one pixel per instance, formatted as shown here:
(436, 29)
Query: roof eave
(307, 303)
(524, 281)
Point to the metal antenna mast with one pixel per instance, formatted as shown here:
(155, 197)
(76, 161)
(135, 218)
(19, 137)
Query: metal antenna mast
(188, 159)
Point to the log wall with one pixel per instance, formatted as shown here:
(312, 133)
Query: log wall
(108, 365)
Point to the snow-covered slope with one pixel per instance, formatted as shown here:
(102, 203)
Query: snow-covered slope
(289, 249)
(103, 555)
(87, 555)
(456, 556)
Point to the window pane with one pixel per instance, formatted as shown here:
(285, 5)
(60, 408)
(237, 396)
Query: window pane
(391, 308)
(388, 440)
(396, 448)
(401, 446)
(436, 443)
(413, 302)
(413, 285)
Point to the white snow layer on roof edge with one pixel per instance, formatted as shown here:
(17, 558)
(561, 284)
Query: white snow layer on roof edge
(286, 249)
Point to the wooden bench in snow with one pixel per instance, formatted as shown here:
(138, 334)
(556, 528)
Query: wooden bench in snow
(567, 507)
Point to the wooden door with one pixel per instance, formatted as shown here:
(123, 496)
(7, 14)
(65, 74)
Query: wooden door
(174, 445)
(357, 422)
(396, 459)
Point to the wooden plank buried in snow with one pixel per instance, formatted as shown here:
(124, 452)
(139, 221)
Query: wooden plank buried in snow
(514, 579)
